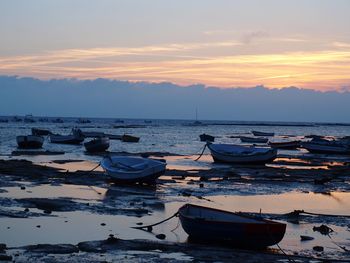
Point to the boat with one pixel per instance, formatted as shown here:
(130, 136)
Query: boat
(132, 169)
(93, 134)
(75, 138)
(259, 133)
(231, 153)
(57, 120)
(206, 137)
(285, 145)
(326, 147)
(30, 141)
(40, 132)
(29, 118)
(97, 145)
(253, 140)
(237, 229)
(83, 121)
(130, 138)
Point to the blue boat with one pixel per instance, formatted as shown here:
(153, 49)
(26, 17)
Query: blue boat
(237, 229)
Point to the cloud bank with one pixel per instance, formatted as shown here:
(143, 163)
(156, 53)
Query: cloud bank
(118, 99)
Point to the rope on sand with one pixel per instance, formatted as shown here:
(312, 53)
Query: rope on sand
(149, 228)
(93, 169)
(205, 146)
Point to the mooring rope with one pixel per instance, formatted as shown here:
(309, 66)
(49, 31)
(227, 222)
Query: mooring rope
(201, 153)
(298, 212)
(93, 169)
(149, 227)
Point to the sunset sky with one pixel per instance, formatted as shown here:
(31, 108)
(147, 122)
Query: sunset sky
(222, 43)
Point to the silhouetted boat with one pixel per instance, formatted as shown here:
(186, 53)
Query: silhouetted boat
(259, 133)
(130, 169)
(97, 145)
(130, 138)
(40, 132)
(237, 229)
(206, 137)
(253, 140)
(57, 120)
(285, 145)
(231, 153)
(29, 118)
(75, 138)
(30, 141)
(82, 121)
(326, 147)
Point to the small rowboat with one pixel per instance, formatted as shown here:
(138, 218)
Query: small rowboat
(130, 138)
(326, 147)
(237, 229)
(258, 133)
(253, 140)
(97, 145)
(40, 132)
(206, 137)
(231, 153)
(75, 138)
(132, 169)
(30, 141)
(285, 145)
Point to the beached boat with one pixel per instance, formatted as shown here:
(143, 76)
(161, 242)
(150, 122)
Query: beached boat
(75, 138)
(285, 145)
(40, 132)
(231, 153)
(132, 169)
(237, 229)
(259, 133)
(206, 137)
(130, 138)
(30, 141)
(253, 140)
(97, 145)
(326, 147)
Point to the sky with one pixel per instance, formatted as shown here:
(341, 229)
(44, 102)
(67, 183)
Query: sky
(221, 43)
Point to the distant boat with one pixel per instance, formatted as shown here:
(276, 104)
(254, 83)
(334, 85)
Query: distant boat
(75, 138)
(147, 121)
(130, 169)
(4, 120)
(29, 118)
(326, 147)
(30, 141)
(82, 121)
(130, 138)
(285, 145)
(93, 134)
(40, 132)
(237, 229)
(97, 145)
(231, 153)
(259, 133)
(206, 137)
(57, 120)
(253, 140)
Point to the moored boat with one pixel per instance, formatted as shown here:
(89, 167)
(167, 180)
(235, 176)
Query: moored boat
(285, 145)
(259, 133)
(75, 138)
(253, 140)
(237, 229)
(206, 137)
(30, 141)
(231, 153)
(132, 169)
(40, 132)
(326, 147)
(130, 138)
(97, 145)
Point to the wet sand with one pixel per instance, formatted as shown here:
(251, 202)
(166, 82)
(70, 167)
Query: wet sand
(59, 201)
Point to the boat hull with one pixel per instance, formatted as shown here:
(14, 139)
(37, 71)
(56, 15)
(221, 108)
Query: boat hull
(285, 145)
(97, 145)
(66, 139)
(206, 138)
(257, 133)
(30, 142)
(239, 234)
(326, 149)
(258, 158)
(253, 140)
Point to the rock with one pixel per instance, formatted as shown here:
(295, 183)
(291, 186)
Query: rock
(111, 239)
(23, 187)
(90, 247)
(4, 257)
(3, 247)
(47, 211)
(139, 223)
(318, 248)
(161, 236)
(306, 238)
(103, 224)
(38, 226)
(323, 229)
(201, 185)
(26, 210)
(53, 249)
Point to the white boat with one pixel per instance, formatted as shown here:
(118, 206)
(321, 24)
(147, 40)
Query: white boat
(132, 169)
(231, 153)
(30, 141)
(326, 147)
(75, 138)
(259, 133)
